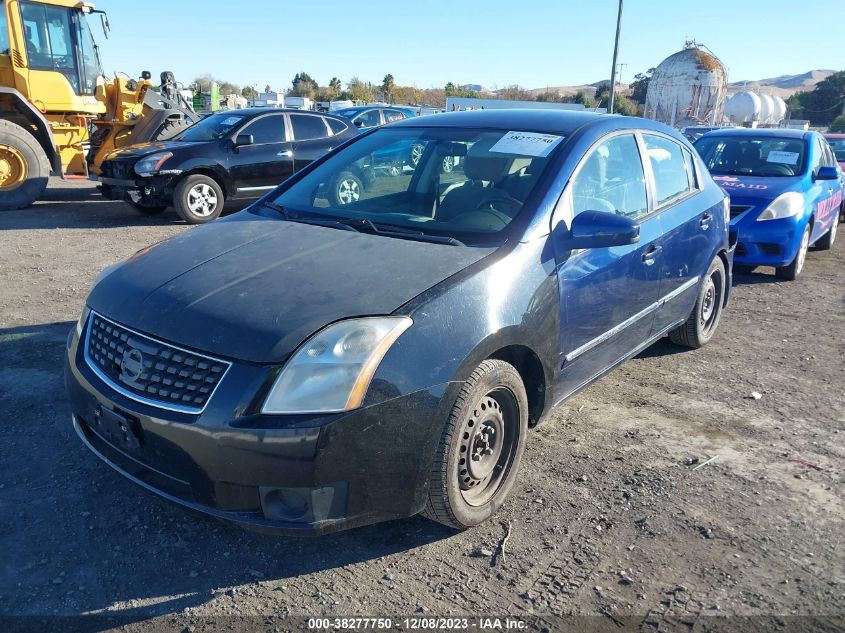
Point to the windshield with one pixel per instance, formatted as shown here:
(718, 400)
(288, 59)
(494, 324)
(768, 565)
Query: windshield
(91, 68)
(465, 184)
(211, 128)
(762, 156)
(838, 147)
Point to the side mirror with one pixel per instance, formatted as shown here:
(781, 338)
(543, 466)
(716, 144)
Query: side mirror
(600, 229)
(244, 139)
(827, 173)
(145, 74)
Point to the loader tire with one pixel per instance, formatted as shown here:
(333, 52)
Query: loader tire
(170, 129)
(24, 167)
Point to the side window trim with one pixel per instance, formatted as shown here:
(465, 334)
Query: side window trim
(655, 210)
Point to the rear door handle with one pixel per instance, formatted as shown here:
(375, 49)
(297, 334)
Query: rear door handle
(285, 154)
(650, 254)
(705, 220)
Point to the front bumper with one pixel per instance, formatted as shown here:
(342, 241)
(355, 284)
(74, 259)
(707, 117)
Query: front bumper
(767, 243)
(118, 181)
(300, 476)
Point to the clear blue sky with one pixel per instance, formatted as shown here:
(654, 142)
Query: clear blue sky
(533, 43)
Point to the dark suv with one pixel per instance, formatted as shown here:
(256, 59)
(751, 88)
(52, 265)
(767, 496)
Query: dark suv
(234, 155)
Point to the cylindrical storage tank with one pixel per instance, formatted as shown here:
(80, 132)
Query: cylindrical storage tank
(687, 88)
(767, 109)
(780, 110)
(743, 107)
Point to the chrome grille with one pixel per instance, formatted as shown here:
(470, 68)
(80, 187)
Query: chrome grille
(149, 370)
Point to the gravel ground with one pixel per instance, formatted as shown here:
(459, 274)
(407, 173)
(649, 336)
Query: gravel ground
(610, 517)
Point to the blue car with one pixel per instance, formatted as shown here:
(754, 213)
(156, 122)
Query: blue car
(308, 365)
(365, 117)
(785, 189)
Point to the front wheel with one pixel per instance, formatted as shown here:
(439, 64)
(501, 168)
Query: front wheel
(701, 325)
(347, 189)
(24, 167)
(198, 199)
(480, 449)
(826, 241)
(791, 272)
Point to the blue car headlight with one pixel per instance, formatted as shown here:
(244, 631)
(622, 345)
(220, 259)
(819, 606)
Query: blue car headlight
(332, 370)
(786, 205)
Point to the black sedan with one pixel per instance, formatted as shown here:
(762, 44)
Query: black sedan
(234, 155)
(311, 364)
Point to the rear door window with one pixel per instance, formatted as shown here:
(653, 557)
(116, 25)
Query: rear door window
(370, 118)
(672, 178)
(267, 129)
(306, 126)
(4, 30)
(393, 115)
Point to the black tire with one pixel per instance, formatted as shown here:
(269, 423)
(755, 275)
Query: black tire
(826, 241)
(791, 272)
(492, 398)
(701, 325)
(743, 269)
(148, 209)
(346, 189)
(23, 155)
(171, 129)
(198, 199)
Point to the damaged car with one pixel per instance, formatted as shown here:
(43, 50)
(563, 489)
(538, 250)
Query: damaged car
(308, 364)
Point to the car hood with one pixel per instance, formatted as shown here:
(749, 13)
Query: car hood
(145, 149)
(254, 288)
(755, 190)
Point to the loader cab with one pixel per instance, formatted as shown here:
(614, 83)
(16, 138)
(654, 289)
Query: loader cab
(5, 52)
(58, 39)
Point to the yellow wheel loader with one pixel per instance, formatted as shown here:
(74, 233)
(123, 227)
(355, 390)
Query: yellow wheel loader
(53, 93)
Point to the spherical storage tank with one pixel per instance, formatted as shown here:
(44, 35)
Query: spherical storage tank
(743, 107)
(780, 110)
(767, 109)
(687, 88)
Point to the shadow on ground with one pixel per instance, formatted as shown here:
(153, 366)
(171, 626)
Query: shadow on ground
(77, 535)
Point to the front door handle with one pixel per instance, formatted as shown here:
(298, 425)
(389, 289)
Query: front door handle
(650, 254)
(705, 221)
(285, 154)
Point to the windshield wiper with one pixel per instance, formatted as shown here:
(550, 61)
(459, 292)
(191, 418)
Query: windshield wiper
(395, 231)
(296, 217)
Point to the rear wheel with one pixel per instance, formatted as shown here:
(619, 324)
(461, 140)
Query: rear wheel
(347, 188)
(198, 199)
(791, 272)
(827, 240)
(24, 168)
(481, 447)
(701, 325)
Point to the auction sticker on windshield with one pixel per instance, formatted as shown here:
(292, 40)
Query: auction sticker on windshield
(784, 158)
(526, 144)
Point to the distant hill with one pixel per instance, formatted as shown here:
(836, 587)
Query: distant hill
(784, 85)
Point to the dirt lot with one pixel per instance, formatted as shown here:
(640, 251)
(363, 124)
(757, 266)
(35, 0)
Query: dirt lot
(609, 518)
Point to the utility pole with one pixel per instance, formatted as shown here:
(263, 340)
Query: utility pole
(615, 55)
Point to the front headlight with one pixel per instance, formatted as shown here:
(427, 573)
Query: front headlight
(787, 205)
(149, 165)
(80, 324)
(332, 370)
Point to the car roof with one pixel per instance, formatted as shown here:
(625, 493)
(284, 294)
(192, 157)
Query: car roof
(773, 132)
(556, 121)
(250, 112)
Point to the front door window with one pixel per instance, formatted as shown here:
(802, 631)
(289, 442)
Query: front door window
(49, 40)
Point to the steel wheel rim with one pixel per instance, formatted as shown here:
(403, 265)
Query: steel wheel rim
(487, 445)
(13, 168)
(348, 191)
(448, 164)
(711, 301)
(416, 154)
(802, 251)
(202, 200)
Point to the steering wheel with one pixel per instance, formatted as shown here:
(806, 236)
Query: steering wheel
(499, 204)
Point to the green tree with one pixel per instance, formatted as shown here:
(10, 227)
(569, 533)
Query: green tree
(249, 92)
(335, 85)
(547, 96)
(838, 124)
(639, 87)
(387, 85)
(303, 85)
(267, 89)
(823, 104)
(360, 91)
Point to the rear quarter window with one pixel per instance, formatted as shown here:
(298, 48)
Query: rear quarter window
(337, 126)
